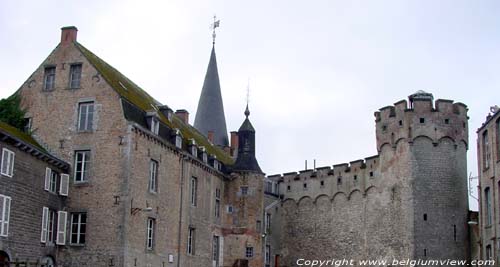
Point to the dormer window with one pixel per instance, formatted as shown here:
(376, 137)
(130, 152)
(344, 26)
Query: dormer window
(205, 157)
(194, 151)
(216, 165)
(178, 141)
(155, 125)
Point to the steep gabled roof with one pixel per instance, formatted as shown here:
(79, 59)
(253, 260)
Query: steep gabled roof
(210, 111)
(142, 100)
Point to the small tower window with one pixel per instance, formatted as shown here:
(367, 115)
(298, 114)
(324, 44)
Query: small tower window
(425, 216)
(422, 120)
(371, 174)
(446, 121)
(355, 178)
(322, 183)
(155, 125)
(339, 180)
(305, 186)
(400, 123)
(288, 188)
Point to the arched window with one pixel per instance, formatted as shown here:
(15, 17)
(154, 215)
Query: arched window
(487, 205)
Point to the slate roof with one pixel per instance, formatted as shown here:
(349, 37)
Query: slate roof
(8, 132)
(138, 102)
(210, 112)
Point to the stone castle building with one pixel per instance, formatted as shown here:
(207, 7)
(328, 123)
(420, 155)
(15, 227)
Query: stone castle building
(488, 147)
(148, 189)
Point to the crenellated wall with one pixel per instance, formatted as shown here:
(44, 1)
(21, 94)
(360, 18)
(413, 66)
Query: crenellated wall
(375, 208)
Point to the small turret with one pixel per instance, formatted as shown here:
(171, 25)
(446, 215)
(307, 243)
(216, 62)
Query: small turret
(246, 160)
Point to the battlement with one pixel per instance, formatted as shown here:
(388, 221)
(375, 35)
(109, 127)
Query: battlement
(421, 117)
(356, 175)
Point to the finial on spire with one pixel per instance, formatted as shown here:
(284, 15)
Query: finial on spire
(214, 25)
(247, 111)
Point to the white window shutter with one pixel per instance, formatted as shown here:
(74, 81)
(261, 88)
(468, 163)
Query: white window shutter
(64, 185)
(4, 161)
(11, 163)
(45, 224)
(6, 215)
(48, 172)
(221, 250)
(62, 217)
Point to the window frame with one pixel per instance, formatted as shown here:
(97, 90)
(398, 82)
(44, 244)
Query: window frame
(153, 176)
(249, 253)
(79, 232)
(217, 203)
(268, 222)
(193, 191)
(486, 150)
(88, 116)
(85, 169)
(51, 226)
(155, 125)
(71, 73)
(150, 230)
(267, 255)
(53, 181)
(191, 240)
(487, 197)
(46, 76)
(8, 158)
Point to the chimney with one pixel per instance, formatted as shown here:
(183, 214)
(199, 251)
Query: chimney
(211, 136)
(183, 115)
(68, 34)
(234, 142)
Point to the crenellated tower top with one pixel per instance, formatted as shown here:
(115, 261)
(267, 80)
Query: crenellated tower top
(422, 117)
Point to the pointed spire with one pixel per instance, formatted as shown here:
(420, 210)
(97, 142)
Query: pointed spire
(210, 113)
(247, 112)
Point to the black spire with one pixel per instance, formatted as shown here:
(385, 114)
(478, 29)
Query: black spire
(246, 160)
(210, 113)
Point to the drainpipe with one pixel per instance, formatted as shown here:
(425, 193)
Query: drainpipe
(181, 162)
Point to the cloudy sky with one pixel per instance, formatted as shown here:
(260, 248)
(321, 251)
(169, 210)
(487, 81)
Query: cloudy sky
(317, 69)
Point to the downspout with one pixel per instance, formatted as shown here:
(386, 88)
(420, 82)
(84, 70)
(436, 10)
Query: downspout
(179, 236)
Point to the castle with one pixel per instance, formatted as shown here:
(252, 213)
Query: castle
(148, 189)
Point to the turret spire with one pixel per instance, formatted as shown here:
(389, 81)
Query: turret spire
(210, 114)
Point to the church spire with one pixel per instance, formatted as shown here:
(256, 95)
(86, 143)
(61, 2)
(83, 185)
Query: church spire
(210, 113)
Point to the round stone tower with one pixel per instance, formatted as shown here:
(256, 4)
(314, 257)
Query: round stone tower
(424, 145)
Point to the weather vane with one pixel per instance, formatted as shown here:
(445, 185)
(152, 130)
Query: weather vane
(213, 26)
(247, 111)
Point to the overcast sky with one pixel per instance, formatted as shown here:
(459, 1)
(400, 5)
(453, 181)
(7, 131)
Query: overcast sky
(317, 69)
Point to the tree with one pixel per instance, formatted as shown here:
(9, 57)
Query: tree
(11, 112)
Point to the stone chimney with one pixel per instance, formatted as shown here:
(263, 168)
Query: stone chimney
(183, 115)
(234, 143)
(211, 136)
(68, 35)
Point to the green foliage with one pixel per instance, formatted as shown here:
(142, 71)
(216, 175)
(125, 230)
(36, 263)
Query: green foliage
(11, 112)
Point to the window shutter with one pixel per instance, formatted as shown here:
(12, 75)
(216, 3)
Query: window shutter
(221, 250)
(62, 217)
(45, 224)
(48, 172)
(6, 214)
(64, 185)
(4, 162)
(11, 163)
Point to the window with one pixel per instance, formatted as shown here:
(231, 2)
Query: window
(268, 255)
(49, 79)
(48, 225)
(153, 176)
(288, 188)
(305, 186)
(193, 190)
(322, 183)
(371, 174)
(178, 141)
(82, 165)
(422, 120)
(446, 121)
(151, 234)
(355, 179)
(249, 252)
(155, 125)
(75, 75)
(215, 249)
(229, 209)
(217, 203)
(85, 116)
(489, 256)
(487, 197)
(244, 190)
(268, 222)
(191, 240)
(194, 151)
(62, 218)
(53, 181)
(27, 125)
(4, 215)
(339, 180)
(258, 225)
(78, 228)
(205, 157)
(7, 168)
(486, 150)
(425, 216)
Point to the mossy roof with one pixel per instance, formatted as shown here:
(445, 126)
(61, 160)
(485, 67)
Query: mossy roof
(130, 91)
(20, 135)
